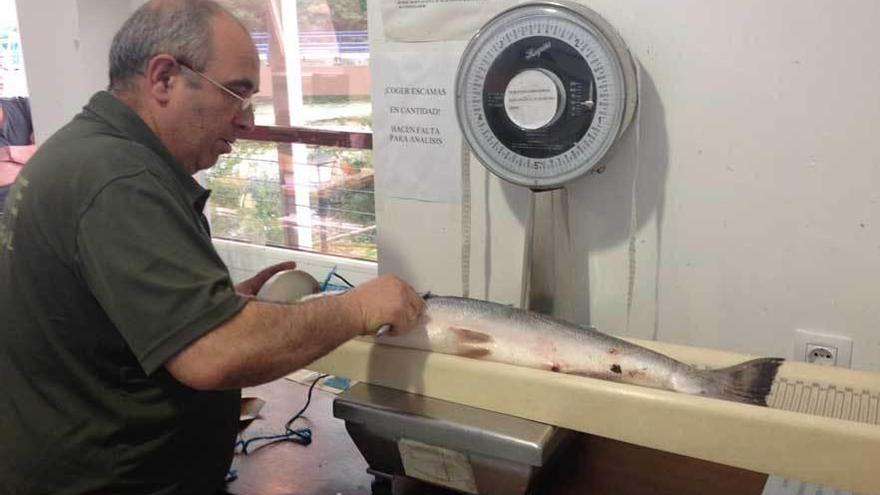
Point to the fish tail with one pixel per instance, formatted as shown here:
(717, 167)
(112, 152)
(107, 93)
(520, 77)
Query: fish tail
(747, 382)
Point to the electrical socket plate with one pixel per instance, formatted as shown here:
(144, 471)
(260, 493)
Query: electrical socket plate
(824, 355)
(807, 341)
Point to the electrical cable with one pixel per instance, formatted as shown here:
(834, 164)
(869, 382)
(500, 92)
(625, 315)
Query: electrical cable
(302, 436)
(340, 277)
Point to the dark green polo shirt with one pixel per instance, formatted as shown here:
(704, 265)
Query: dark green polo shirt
(107, 270)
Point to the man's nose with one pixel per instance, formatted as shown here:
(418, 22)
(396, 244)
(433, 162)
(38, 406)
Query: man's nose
(244, 119)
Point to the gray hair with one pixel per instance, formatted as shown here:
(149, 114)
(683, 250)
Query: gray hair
(180, 28)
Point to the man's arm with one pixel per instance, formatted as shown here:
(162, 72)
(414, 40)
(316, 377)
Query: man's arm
(266, 341)
(21, 154)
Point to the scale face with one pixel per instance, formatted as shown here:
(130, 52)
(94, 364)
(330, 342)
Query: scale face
(543, 91)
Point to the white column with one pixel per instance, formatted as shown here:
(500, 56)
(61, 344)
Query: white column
(51, 48)
(65, 45)
(304, 173)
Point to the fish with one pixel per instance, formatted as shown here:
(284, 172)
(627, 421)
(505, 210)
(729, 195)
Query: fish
(490, 331)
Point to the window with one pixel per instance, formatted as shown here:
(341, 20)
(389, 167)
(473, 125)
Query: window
(304, 178)
(12, 75)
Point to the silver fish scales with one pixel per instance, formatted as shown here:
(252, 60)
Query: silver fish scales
(495, 332)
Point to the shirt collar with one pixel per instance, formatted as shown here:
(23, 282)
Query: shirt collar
(120, 116)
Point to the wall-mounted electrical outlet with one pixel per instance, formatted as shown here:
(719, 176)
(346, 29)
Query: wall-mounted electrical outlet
(822, 348)
(825, 355)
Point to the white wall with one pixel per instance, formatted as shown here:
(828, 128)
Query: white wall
(66, 45)
(756, 199)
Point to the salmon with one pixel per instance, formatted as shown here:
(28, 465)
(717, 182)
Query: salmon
(494, 332)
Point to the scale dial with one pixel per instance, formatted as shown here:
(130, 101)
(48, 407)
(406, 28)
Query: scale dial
(543, 91)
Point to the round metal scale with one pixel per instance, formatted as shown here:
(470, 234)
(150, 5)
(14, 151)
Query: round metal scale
(543, 91)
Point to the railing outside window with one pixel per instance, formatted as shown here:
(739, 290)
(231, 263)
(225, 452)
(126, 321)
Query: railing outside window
(304, 177)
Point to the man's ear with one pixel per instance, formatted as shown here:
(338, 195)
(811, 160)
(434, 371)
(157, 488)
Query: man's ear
(163, 72)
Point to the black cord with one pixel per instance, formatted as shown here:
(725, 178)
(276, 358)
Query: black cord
(340, 277)
(302, 436)
(308, 401)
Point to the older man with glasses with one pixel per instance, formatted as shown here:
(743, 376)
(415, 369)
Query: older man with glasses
(246, 103)
(123, 342)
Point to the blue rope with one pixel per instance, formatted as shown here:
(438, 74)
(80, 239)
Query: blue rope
(302, 436)
(327, 278)
(326, 285)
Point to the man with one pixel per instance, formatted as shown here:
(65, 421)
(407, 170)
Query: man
(16, 141)
(16, 127)
(123, 344)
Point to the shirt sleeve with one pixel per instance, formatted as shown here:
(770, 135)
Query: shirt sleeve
(27, 121)
(153, 268)
(17, 124)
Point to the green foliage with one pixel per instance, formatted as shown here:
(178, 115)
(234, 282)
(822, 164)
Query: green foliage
(348, 15)
(345, 15)
(252, 13)
(247, 200)
(355, 157)
(350, 201)
(246, 204)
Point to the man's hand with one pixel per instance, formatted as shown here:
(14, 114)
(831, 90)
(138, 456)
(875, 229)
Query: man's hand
(252, 286)
(21, 154)
(386, 300)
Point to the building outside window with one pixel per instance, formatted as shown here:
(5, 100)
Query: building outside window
(304, 178)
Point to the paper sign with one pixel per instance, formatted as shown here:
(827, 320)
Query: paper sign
(416, 138)
(436, 20)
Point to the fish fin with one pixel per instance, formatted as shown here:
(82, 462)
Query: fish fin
(748, 382)
(470, 343)
(466, 335)
(473, 352)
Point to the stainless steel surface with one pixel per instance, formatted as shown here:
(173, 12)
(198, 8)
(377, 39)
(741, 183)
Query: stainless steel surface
(504, 452)
(549, 257)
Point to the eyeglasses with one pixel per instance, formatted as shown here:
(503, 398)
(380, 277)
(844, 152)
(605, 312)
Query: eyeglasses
(245, 103)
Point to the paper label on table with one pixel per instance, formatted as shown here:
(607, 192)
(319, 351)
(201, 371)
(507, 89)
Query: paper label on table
(437, 465)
